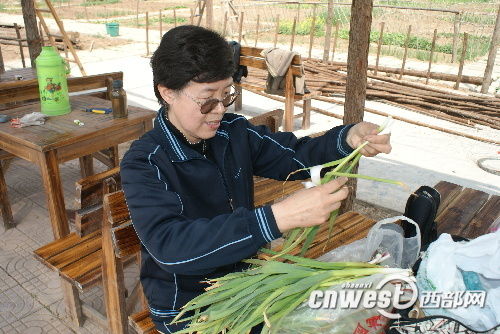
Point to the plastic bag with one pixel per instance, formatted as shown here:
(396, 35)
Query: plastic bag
(384, 236)
(306, 320)
(458, 267)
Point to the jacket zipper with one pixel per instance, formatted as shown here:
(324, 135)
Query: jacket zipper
(229, 198)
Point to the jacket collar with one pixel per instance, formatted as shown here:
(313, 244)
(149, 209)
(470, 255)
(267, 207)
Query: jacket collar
(179, 151)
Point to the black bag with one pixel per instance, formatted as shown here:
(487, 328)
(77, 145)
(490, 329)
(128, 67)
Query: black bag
(422, 207)
(239, 70)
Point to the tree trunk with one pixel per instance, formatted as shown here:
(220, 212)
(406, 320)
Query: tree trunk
(32, 33)
(357, 65)
(495, 40)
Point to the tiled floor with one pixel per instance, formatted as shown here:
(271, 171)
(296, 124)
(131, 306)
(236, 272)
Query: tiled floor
(30, 294)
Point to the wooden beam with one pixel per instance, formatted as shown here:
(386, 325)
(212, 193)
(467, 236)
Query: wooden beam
(32, 33)
(210, 13)
(357, 65)
(495, 40)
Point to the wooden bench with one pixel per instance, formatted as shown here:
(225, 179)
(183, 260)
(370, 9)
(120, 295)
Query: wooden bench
(24, 91)
(77, 257)
(256, 82)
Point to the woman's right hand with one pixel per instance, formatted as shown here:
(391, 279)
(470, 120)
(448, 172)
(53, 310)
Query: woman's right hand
(310, 207)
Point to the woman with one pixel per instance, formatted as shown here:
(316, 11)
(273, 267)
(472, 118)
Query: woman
(189, 181)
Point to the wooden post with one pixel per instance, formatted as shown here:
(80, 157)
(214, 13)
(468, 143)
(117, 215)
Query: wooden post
(495, 40)
(240, 28)
(357, 64)
(462, 60)
(2, 66)
(209, 8)
(161, 24)
(113, 282)
(293, 33)
(21, 51)
(298, 12)
(65, 46)
(147, 33)
(5, 208)
(256, 29)
(277, 30)
(328, 32)
(380, 37)
(192, 16)
(407, 41)
(433, 45)
(311, 36)
(335, 39)
(175, 18)
(41, 33)
(225, 25)
(137, 13)
(289, 105)
(456, 33)
(32, 34)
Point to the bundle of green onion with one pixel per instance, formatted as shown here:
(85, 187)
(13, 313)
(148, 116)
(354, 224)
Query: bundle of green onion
(343, 168)
(267, 292)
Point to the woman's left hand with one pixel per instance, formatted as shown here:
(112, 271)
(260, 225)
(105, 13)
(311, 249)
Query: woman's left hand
(366, 131)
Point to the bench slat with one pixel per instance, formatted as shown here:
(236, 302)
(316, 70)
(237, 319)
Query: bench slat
(24, 90)
(57, 246)
(481, 222)
(142, 323)
(74, 254)
(260, 63)
(88, 220)
(80, 268)
(126, 241)
(255, 52)
(119, 213)
(460, 211)
(89, 190)
(265, 190)
(89, 279)
(449, 191)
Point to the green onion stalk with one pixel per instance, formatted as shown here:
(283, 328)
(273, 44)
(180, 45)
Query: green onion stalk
(343, 167)
(267, 292)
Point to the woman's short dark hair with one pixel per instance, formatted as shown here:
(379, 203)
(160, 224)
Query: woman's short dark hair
(190, 53)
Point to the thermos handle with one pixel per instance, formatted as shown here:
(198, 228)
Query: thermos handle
(66, 66)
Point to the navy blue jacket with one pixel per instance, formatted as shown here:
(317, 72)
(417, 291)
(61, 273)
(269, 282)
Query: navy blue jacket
(195, 217)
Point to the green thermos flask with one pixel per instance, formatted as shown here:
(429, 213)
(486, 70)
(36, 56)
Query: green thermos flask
(51, 71)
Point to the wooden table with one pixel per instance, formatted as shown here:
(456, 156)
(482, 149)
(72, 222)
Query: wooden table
(466, 212)
(60, 140)
(27, 73)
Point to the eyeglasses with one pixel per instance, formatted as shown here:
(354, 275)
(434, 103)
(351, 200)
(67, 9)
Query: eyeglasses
(211, 103)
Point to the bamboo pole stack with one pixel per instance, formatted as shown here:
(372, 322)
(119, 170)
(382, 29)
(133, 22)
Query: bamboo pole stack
(462, 109)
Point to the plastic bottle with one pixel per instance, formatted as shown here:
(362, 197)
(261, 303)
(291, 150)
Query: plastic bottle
(51, 71)
(119, 100)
